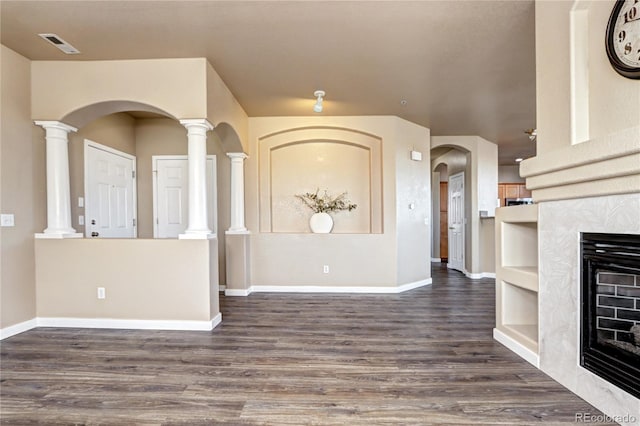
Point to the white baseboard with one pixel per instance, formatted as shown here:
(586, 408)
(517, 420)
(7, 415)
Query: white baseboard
(436, 260)
(416, 284)
(21, 327)
(327, 289)
(480, 275)
(112, 323)
(237, 292)
(131, 324)
(525, 353)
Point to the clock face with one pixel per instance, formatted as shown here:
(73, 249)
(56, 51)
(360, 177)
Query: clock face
(623, 38)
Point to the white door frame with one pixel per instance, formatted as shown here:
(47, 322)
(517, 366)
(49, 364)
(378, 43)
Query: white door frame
(464, 221)
(214, 190)
(89, 143)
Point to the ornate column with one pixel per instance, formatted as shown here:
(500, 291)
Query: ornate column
(237, 193)
(197, 227)
(58, 188)
(237, 237)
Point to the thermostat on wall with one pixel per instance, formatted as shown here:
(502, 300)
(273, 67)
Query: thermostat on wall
(416, 155)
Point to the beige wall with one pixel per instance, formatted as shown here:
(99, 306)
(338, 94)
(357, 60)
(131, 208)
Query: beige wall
(614, 101)
(413, 202)
(137, 285)
(509, 174)
(223, 108)
(22, 191)
(176, 86)
(354, 259)
(488, 241)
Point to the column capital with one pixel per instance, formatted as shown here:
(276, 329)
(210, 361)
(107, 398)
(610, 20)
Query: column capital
(194, 123)
(49, 124)
(237, 155)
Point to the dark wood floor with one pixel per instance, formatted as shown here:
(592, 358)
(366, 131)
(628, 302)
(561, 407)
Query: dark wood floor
(422, 357)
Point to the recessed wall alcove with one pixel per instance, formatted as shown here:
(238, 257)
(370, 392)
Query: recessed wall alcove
(335, 159)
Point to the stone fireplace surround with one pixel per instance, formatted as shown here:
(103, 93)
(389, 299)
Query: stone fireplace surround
(559, 226)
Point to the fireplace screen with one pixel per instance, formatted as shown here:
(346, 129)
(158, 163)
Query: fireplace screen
(611, 308)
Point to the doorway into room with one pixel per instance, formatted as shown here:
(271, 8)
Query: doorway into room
(171, 195)
(110, 192)
(455, 221)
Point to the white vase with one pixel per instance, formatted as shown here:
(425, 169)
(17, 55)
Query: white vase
(321, 223)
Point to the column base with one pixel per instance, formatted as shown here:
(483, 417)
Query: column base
(237, 262)
(197, 236)
(58, 236)
(242, 231)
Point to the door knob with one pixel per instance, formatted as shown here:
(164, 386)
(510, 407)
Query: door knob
(94, 234)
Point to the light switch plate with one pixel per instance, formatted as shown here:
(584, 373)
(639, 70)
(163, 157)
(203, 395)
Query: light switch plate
(80, 220)
(7, 220)
(80, 201)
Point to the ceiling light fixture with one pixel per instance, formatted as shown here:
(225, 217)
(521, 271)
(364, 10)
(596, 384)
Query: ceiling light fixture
(318, 105)
(533, 134)
(518, 160)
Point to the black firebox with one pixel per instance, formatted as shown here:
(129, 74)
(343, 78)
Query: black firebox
(610, 308)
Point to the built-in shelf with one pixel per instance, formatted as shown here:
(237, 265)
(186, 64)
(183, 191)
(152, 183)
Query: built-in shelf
(517, 280)
(521, 276)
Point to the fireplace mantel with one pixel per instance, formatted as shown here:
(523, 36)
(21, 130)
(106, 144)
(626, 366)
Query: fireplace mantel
(598, 167)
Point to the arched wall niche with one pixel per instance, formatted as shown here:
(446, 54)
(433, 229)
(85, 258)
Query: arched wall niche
(301, 160)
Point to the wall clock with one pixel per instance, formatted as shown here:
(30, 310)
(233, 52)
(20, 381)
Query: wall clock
(623, 38)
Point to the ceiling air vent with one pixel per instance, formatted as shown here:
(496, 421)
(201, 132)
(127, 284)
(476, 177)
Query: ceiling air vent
(60, 43)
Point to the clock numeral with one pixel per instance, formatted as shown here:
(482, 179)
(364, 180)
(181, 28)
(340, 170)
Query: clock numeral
(631, 15)
(627, 48)
(622, 35)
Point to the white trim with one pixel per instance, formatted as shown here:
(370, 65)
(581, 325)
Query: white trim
(43, 236)
(96, 145)
(436, 260)
(131, 324)
(241, 232)
(479, 275)
(525, 353)
(111, 323)
(416, 284)
(237, 292)
(327, 289)
(21, 327)
(197, 236)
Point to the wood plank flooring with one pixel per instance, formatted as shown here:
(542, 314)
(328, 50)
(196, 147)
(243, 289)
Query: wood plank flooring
(422, 357)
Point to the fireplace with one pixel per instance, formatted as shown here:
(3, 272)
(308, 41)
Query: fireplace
(610, 308)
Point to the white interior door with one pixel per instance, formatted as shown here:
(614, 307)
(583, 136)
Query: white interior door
(110, 192)
(171, 194)
(456, 222)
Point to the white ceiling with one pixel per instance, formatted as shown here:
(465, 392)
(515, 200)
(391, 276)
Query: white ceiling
(464, 67)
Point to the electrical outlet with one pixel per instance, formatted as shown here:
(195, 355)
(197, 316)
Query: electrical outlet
(101, 293)
(80, 220)
(325, 269)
